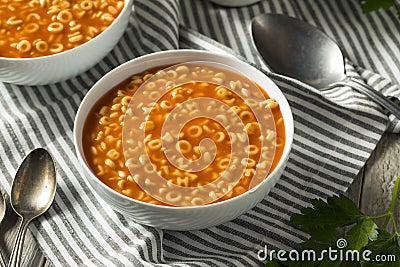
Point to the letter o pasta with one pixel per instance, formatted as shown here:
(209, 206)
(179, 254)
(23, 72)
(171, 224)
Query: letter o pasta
(252, 149)
(86, 5)
(173, 196)
(65, 16)
(55, 27)
(24, 46)
(154, 144)
(223, 163)
(246, 115)
(41, 46)
(165, 104)
(56, 48)
(194, 131)
(184, 146)
(31, 27)
(219, 137)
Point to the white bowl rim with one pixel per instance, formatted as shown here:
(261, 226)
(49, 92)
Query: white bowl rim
(72, 50)
(282, 161)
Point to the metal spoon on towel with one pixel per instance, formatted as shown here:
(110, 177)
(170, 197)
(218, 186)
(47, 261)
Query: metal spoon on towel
(32, 193)
(294, 48)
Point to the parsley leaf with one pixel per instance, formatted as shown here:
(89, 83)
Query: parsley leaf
(361, 233)
(372, 5)
(384, 252)
(322, 233)
(338, 211)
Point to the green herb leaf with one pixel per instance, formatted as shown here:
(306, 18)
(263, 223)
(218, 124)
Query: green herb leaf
(324, 234)
(338, 211)
(382, 234)
(382, 248)
(371, 5)
(360, 234)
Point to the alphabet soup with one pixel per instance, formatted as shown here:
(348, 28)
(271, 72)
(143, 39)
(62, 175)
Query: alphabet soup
(186, 135)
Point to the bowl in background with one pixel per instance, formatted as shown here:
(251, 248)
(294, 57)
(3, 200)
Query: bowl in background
(64, 65)
(180, 218)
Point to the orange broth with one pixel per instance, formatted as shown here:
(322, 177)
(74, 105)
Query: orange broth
(100, 136)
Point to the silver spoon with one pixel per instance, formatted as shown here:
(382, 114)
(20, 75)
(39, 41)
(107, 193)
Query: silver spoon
(294, 48)
(32, 193)
(2, 214)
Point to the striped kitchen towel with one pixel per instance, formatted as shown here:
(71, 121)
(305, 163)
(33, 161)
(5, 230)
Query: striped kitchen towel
(335, 133)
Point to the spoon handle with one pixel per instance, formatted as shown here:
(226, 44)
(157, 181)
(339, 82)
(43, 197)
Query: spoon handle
(378, 97)
(2, 261)
(15, 259)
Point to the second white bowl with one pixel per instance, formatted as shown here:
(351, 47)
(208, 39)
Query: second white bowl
(67, 64)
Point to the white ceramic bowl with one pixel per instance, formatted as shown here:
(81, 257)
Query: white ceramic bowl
(67, 64)
(180, 218)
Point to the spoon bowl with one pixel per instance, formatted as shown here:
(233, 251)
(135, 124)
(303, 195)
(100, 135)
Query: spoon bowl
(32, 193)
(287, 46)
(294, 48)
(2, 206)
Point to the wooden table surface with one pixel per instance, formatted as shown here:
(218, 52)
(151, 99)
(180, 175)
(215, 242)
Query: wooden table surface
(371, 190)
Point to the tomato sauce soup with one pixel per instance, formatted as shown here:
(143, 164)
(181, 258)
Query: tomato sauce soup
(260, 148)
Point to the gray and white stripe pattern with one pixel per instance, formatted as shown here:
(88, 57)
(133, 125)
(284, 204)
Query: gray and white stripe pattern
(335, 132)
